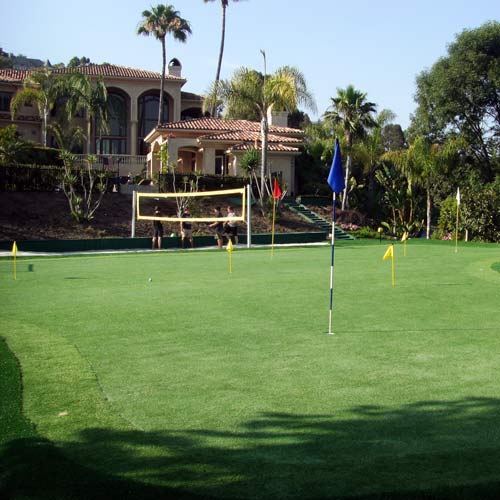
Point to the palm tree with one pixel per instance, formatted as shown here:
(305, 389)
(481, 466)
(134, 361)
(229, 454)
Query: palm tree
(224, 4)
(67, 137)
(250, 93)
(160, 21)
(422, 163)
(44, 88)
(91, 96)
(353, 113)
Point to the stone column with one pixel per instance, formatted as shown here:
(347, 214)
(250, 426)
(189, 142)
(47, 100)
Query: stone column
(133, 137)
(133, 124)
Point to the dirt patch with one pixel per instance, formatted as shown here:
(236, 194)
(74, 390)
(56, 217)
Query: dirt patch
(45, 216)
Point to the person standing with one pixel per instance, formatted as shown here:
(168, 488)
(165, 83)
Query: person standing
(157, 229)
(218, 228)
(187, 229)
(232, 227)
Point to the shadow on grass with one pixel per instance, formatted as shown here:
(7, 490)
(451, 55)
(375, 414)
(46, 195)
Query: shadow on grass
(424, 450)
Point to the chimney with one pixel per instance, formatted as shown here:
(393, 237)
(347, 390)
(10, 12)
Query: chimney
(278, 118)
(174, 68)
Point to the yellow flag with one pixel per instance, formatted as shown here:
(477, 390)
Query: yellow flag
(389, 254)
(405, 236)
(229, 246)
(14, 249)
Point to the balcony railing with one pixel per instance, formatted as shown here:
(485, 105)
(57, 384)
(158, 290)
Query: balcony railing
(125, 164)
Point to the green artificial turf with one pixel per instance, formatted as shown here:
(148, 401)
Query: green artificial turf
(226, 385)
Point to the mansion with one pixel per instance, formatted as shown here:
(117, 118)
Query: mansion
(195, 142)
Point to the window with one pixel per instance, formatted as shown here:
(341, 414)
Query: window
(220, 162)
(148, 116)
(5, 98)
(114, 141)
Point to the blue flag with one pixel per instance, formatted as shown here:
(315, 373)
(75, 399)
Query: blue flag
(336, 176)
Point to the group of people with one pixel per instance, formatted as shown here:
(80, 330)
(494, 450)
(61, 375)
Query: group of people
(221, 229)
(229, 229)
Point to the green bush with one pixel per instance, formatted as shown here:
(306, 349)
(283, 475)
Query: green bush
(368, 232)
(40, 155)
(448, 219)
(478, 215)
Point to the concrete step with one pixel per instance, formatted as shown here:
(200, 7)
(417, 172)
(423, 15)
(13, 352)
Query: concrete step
(316, 219)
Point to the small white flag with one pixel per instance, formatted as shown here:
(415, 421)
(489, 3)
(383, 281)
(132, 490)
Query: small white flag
(458, 196)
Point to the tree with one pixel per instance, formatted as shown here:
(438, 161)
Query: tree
(80, 184)
(249, 164)
(224, 4)
(422, 164)
(370, 150)
(78, 61)
(250, 92)
(459, 94)
(393, 137)
(66, 136)
(44, 88)
(92, 97)
(11, 145)
(395, 195)
(353, 113)
(158, 22)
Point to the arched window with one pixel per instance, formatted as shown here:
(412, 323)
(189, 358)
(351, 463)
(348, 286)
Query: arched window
(148, 116)
(114, 141)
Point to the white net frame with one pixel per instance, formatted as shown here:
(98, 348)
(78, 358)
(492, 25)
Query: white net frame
(210, 218)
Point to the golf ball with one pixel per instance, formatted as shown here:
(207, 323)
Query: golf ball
(150, 279)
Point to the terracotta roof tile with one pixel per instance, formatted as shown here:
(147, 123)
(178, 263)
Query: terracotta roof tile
(13, 75)
(219, 125)
(106, 70)
(249, 136)
(270, 147)
(112, 70)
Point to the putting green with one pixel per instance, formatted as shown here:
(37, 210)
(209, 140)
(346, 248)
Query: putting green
(226, 384)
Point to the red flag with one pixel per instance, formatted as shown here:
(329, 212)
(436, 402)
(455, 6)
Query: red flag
(276, 190)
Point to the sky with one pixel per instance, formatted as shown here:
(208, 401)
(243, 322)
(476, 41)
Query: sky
(379, 47)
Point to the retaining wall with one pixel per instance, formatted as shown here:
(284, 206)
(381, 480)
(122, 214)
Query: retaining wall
(57, 246)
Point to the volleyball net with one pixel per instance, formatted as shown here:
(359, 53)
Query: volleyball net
(159, 206)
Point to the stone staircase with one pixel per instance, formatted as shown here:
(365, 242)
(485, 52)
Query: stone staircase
(318, 221)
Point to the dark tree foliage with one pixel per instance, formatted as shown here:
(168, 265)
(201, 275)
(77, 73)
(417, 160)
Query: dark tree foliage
(460, 94)
(78, 61)
(392, 137)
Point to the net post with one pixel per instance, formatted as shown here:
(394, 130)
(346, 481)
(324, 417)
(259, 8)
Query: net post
(134, 198)
(249, 205)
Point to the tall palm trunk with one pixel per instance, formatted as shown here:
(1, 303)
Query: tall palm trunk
(264, 129)
(162, 81)
(89, 133)
(45, 123)
(219, 62)
(347, 170)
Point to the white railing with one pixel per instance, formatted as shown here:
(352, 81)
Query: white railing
(125, 164)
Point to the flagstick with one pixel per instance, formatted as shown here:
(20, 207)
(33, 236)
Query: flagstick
(230, 262)
(272, 232)
(456, 230)
(404, 252)
(393, 270)
(15, 267)
(331, 267)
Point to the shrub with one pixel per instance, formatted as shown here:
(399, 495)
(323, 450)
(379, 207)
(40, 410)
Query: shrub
(479, 214)
(368, 232)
